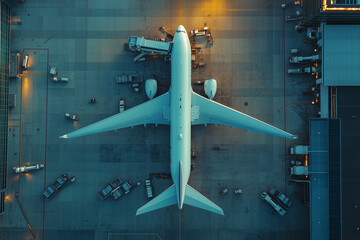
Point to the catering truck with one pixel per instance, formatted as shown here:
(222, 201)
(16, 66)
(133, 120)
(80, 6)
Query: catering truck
(146, 45)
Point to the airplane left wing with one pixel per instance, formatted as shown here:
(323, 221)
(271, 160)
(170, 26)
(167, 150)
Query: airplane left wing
(155, 111)
(206, 111)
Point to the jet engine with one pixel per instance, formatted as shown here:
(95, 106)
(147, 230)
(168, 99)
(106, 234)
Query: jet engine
(210, 88)
(150, 88)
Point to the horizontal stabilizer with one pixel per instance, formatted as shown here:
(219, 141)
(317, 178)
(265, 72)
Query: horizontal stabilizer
(196, 199)
(166, 198)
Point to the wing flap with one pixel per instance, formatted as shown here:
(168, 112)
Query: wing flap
(210, 112)
(150, 112)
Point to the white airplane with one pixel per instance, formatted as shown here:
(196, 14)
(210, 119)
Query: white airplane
(180, 108)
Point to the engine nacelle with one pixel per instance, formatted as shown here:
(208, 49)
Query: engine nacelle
(210, 87)
(150, 88)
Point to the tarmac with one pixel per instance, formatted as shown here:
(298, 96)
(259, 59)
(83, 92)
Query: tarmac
(84, 41)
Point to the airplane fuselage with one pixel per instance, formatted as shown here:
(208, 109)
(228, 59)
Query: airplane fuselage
(180, 116)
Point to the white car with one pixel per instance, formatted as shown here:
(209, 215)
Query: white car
(53, 71)
(238, 191)
(72, 116)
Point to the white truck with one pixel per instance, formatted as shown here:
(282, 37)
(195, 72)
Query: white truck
(299, 149)
(300, 59)
(25, 169)
(146, 45)
(265, 196)
(130, 78)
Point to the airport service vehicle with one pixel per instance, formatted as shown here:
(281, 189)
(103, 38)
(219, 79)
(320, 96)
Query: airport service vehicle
(116, 193)
(295, 70)
(53, 71)
(198, 65)
(130, 78)
(193, 153)
(146, 45)
(126, 187)
(25, 169)
(106, 192)
(312, 70)
(180, 108)
(299, 170)
(291, 3)
(299, 149)
(148, 188)
(135, 87)
(121, 105)
(201, 32)
(55, 79)
(198, 82)
(294, 51)
(280, 197)
(224, 191)
(25, 61)
(299, 59)
(72, 179)
(92, 100)
(72, 116)
(284, 200)
(56, 186)
(64, 79)
(275, 206)
(238, 191)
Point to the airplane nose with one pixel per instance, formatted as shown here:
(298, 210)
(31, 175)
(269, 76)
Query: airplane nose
(181, 29)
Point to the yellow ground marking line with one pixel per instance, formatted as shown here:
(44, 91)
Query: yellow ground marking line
(49, 38)
(180, 13)
(179, 224)
(88, 8)
(228, 9)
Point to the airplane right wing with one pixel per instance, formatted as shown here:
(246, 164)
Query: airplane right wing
(206, 111)
(155, 111)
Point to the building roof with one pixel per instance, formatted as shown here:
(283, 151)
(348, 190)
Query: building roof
(319, 174)
(341, 55)
(348, 109)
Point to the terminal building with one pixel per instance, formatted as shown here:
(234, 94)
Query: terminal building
(4, 91)
(334, 164)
